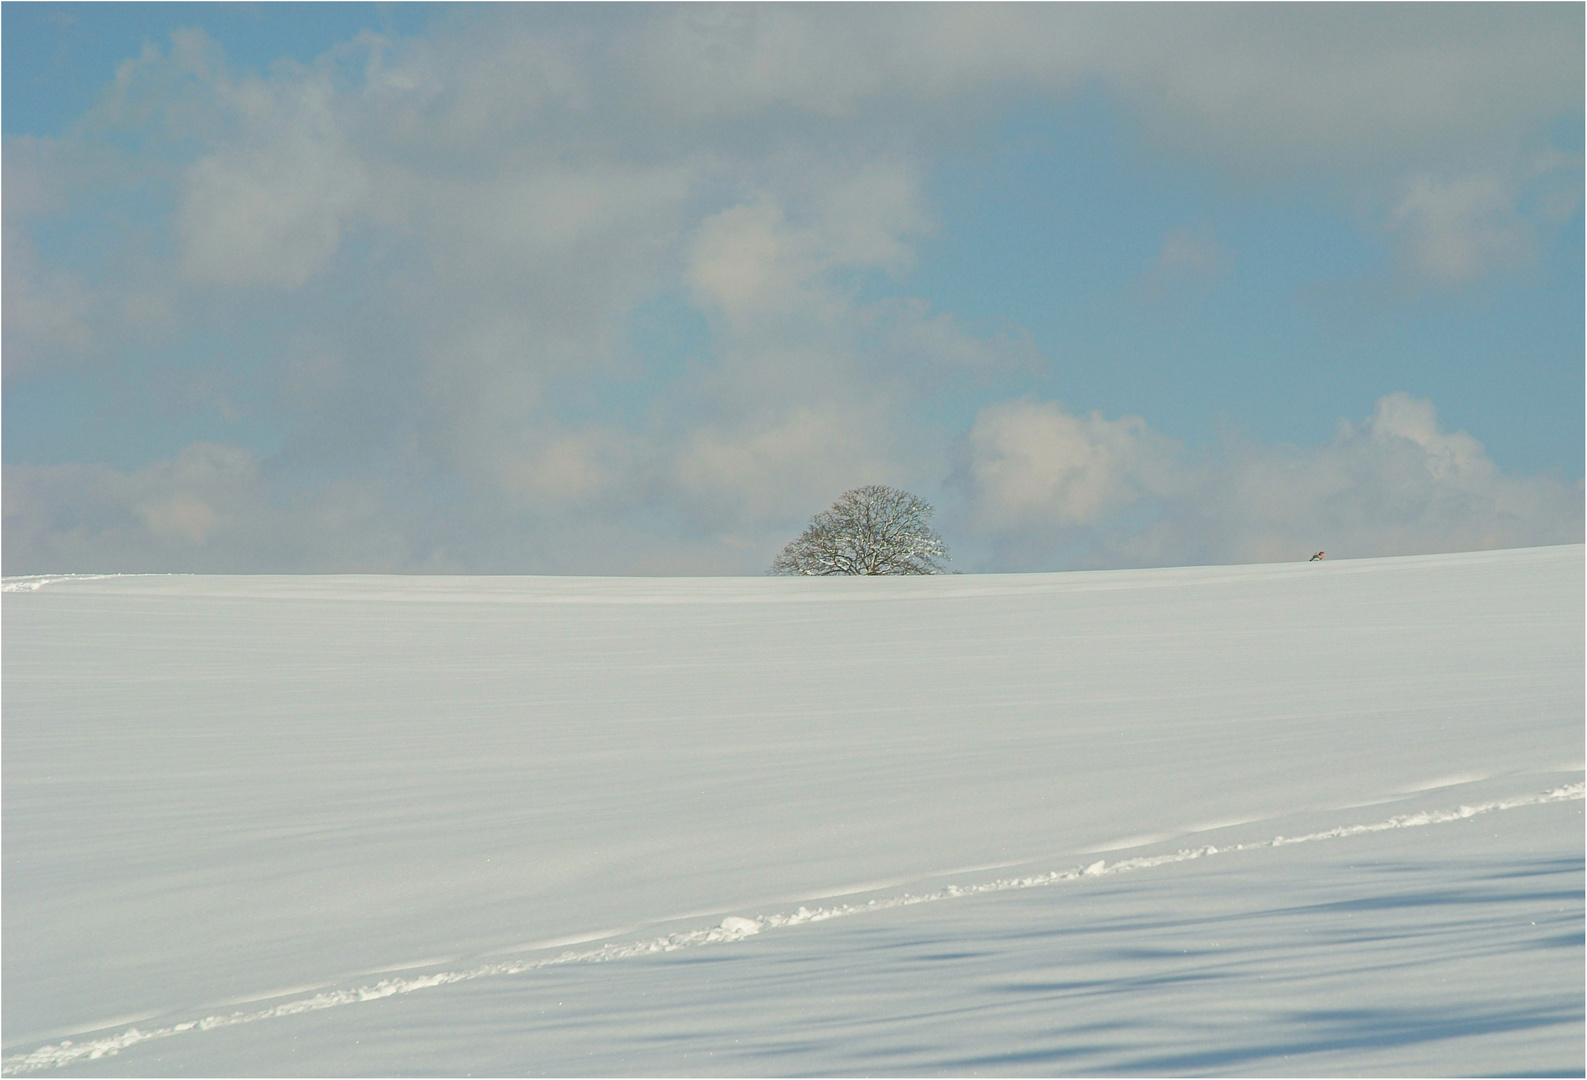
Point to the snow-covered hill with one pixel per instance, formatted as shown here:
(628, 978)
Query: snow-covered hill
(1275, 819)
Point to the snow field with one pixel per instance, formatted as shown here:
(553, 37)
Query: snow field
(232, 797)
(1560, 1020)
(1456, 953)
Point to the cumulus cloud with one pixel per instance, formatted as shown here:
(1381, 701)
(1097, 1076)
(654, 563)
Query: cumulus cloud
(417, 262)
(1191, 258)
(1034, 464)
(1262, 91)
(45, 312)
(1454, 231)
(1046, 485)
(156, 517)
(206, 510)
(581, 467)
(267, 201)
(1256, 89)
(935, 344)
(269, 215)
(755, 266)
(745, 259)
(761, 470)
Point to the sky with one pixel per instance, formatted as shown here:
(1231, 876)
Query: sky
(626, 289)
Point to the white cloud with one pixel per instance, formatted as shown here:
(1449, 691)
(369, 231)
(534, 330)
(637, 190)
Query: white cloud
(761, 471)
(269, 205)
(580, 467)
(429, 250)
(206, 510)
(1454, 231)
(723, 60)
(1190, 252)
(1034, 464)
(746, 259)
(1045, 485)
(46, 312)
(93, 515)
(1252, 89)
(180, 516)
(923, 343)
(1191, 258)
(1280, 89)
(756, 266)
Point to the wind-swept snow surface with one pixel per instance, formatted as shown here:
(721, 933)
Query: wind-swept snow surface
(1308, 818)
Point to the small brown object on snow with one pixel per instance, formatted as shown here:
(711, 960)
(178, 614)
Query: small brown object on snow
(1317, 557)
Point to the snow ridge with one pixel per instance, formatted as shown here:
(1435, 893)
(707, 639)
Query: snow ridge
(35, 582)
(731, 929)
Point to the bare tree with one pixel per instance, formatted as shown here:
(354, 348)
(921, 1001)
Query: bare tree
(871, 530)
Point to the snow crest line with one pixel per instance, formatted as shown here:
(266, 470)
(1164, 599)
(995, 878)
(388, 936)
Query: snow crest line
(734, 928)
(36, 582)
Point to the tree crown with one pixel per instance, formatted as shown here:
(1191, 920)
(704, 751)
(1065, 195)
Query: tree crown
(870, 530)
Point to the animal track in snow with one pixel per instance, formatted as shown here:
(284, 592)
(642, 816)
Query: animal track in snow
(734, 928)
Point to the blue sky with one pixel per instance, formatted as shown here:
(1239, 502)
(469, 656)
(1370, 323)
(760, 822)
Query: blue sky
(330, 287)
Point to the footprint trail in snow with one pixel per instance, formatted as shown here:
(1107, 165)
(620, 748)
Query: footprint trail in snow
(731, 929)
